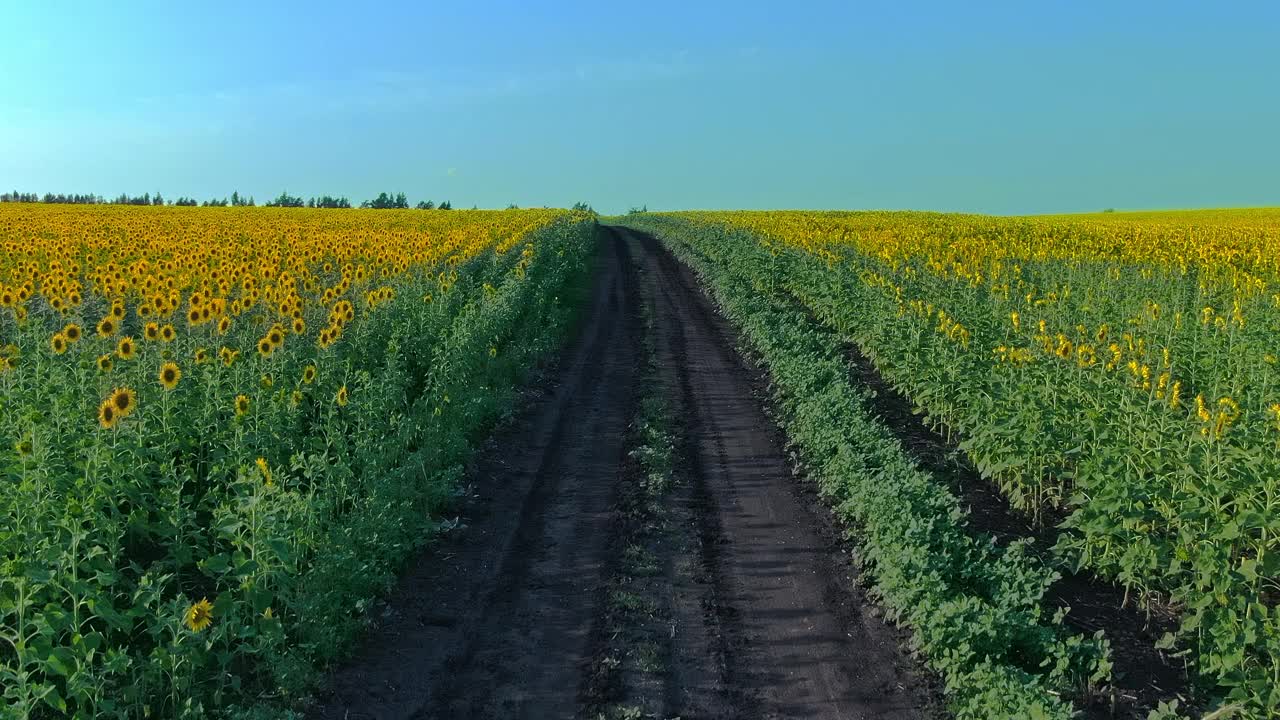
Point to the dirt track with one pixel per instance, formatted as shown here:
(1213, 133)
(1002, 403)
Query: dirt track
(505, 617)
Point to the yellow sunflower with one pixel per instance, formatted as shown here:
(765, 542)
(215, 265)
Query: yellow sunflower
(242, 405)
(341, 398)
(170, 374)
(199, 616)
(104, 363)
(107, 415)
(123, 400)
(264, 469)
(125, 348)
(59, 343)
(71, 332)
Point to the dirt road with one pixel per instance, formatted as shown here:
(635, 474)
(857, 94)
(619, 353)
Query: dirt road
(505, 618)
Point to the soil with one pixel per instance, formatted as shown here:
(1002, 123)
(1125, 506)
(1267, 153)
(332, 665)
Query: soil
(511, 615)
(795, 635)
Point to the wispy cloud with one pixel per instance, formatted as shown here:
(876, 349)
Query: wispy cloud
(246, 106)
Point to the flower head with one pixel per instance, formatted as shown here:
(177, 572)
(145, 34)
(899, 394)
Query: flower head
(170, 374)
(199, 616)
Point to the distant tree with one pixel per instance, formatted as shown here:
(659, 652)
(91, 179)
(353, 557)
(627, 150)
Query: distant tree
(385, 201)
(288, 201)
(513, 206)
(446, 205)
(635, 210)
(426, 205)
(584, 207)
(330, 202)
(157, 199)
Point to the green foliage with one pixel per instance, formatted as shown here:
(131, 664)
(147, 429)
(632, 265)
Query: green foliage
(1095, 410)
(975, 609)
(104, 554)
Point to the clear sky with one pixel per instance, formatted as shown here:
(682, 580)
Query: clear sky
(1005, 107)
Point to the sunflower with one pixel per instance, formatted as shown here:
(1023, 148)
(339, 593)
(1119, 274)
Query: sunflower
(341, 398)
(199, 616)
(151, 331)
(242, 405)
(275, 337)
(299, 326)
(170, 374)
(193, 316)
(106, 327)
(125, 348)
(59, 343)
(201, 356)
(71, 332)
(117, 310)
(123, 400)
(264, 469)
(167, 333)
(104, 363)
(224, 325)
(308, 374)
(265, 348)
(228, 356)
(107, 415)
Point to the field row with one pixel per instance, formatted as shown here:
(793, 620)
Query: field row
(225, 430)
(1116, 372)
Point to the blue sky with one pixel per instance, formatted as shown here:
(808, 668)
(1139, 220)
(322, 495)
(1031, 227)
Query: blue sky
(1002, 107)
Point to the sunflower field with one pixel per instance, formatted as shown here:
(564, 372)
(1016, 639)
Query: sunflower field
(1117, 375)
(223, 429)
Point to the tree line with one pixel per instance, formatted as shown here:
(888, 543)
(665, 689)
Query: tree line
(384, 201)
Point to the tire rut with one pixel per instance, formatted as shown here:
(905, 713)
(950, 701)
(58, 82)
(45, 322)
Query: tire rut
(507, 616)
(495, 620)
(797, 638)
